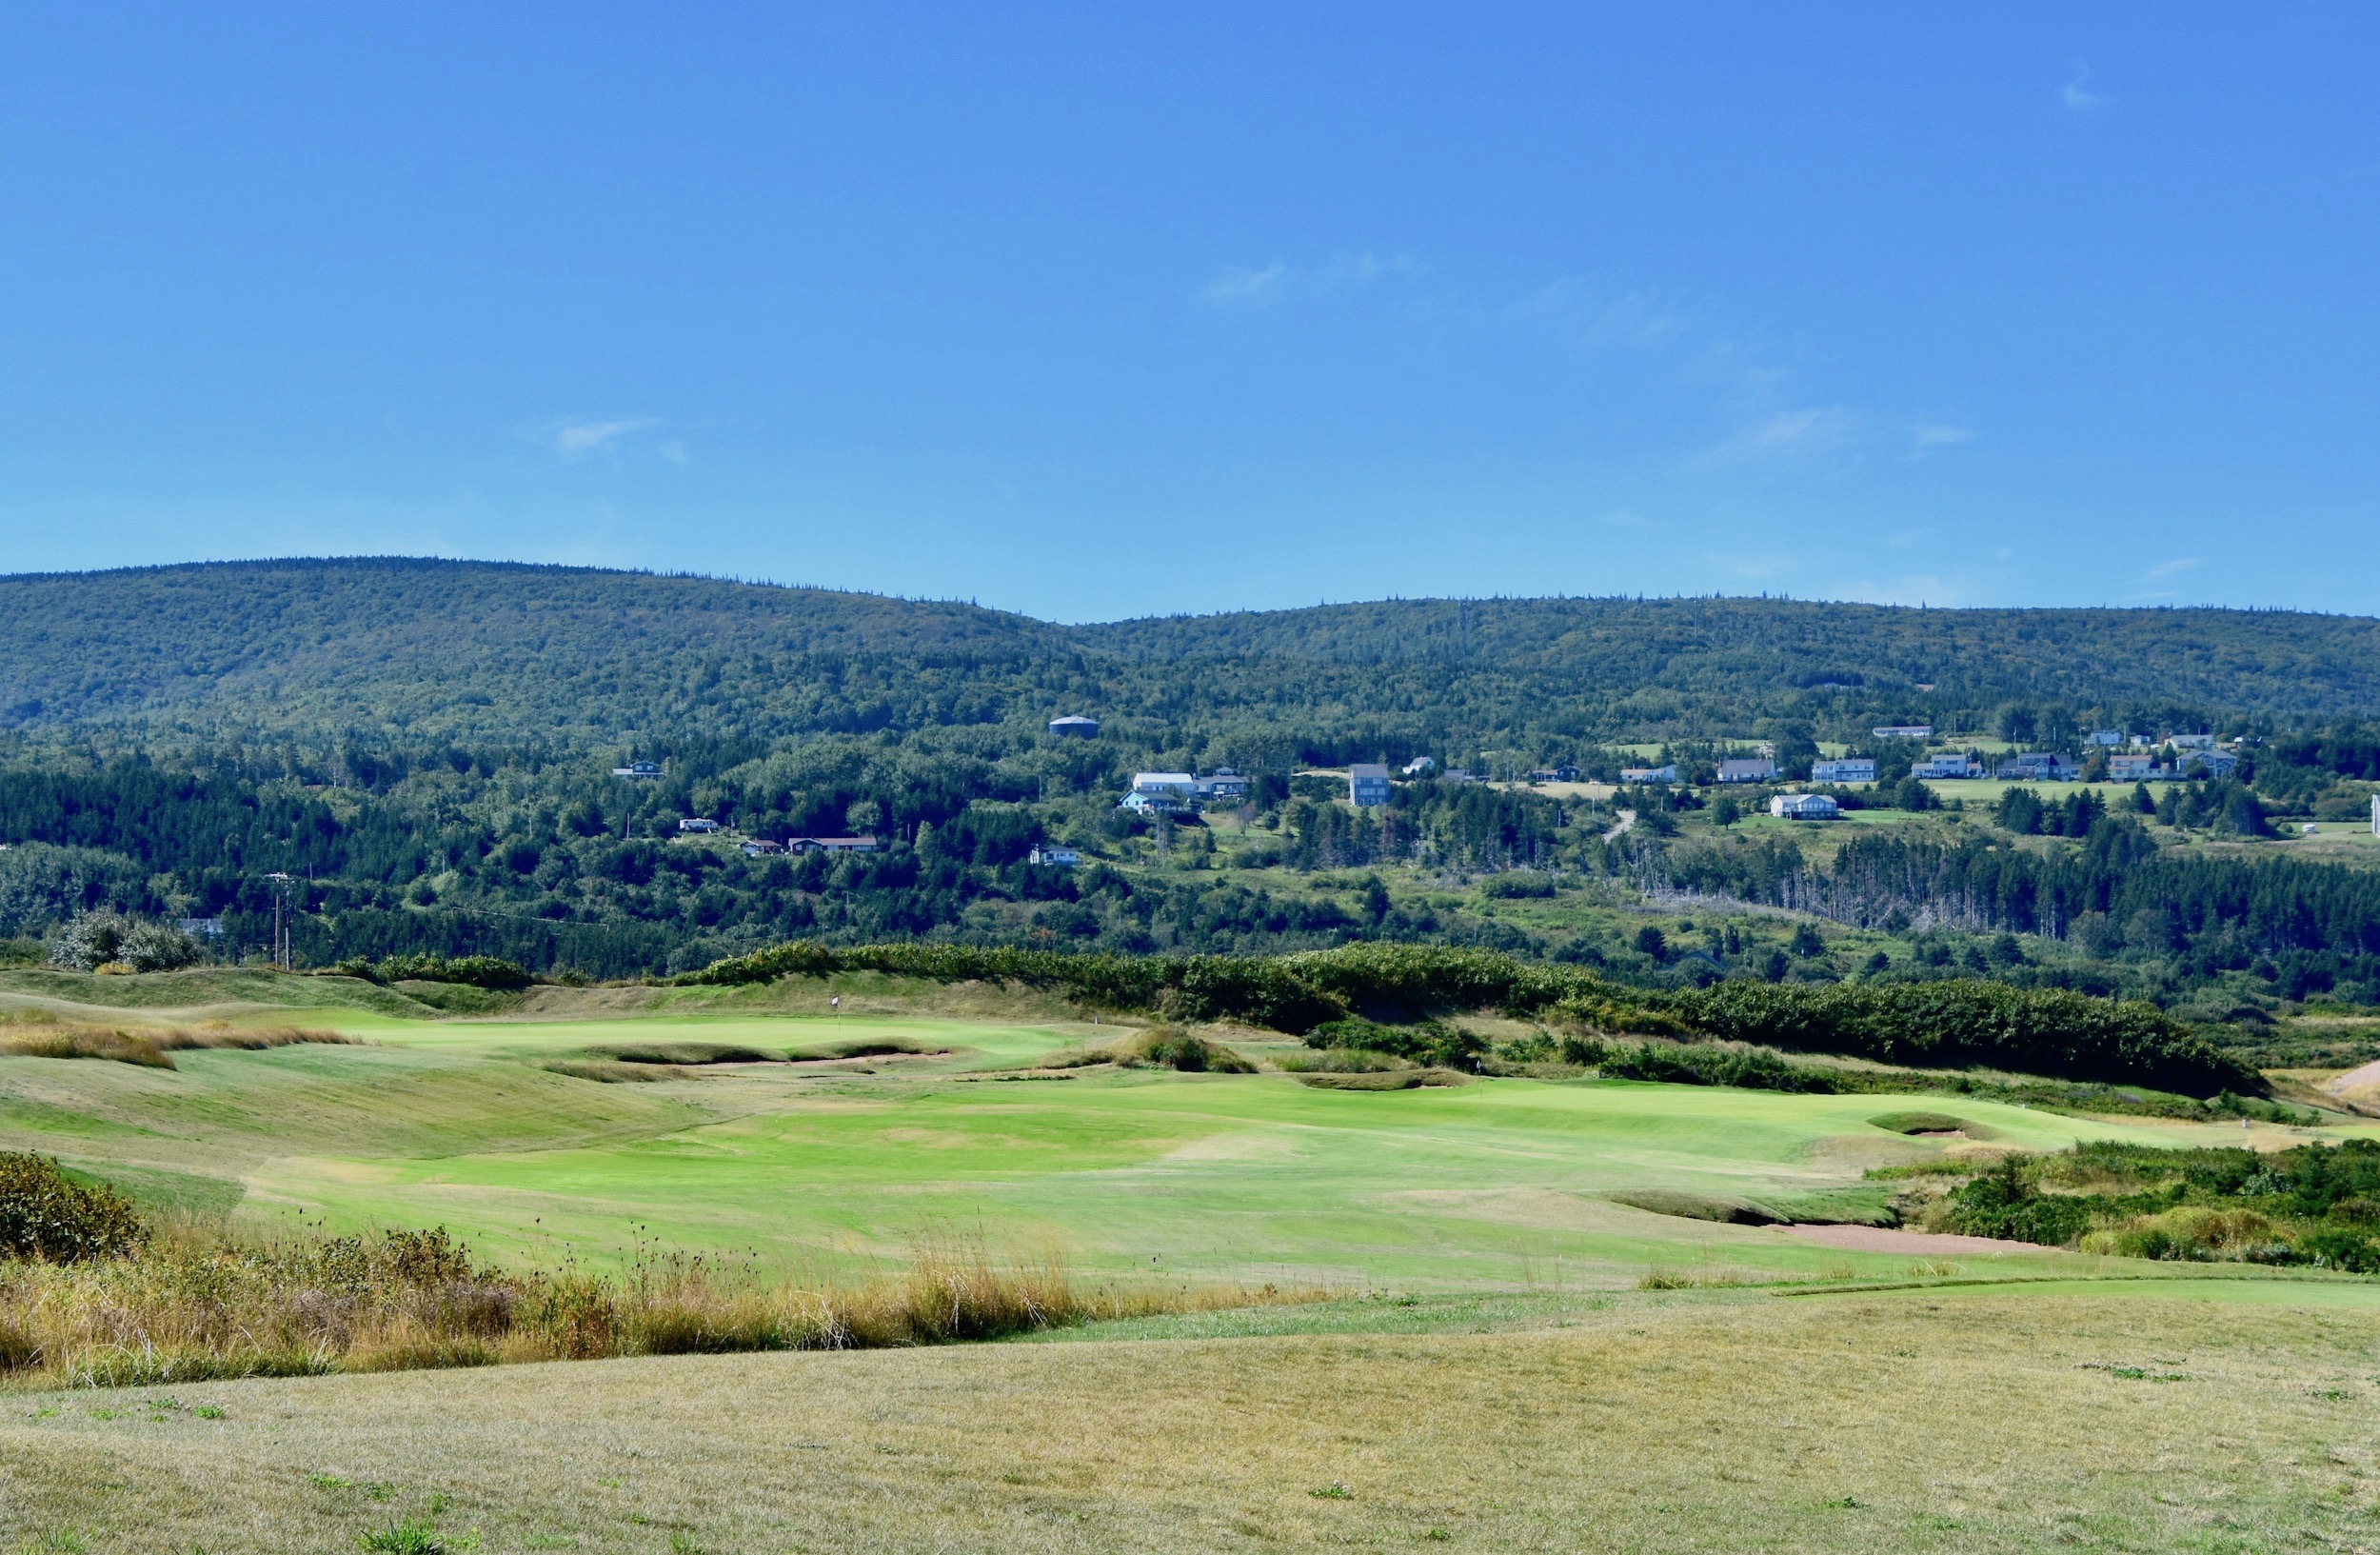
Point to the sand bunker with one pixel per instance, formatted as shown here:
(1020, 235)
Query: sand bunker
(1876, 1239)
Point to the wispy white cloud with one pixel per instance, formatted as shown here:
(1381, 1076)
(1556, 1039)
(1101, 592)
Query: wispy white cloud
(1594, 317)
(1812, 431)
(2166, 570)
(2078, 98)
(674, 451)
(575, 438)
(1928, 437)
(1242, 286)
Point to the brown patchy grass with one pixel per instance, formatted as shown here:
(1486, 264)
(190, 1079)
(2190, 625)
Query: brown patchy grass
(1675, 1423)
(38, 1034)
(192, 1305)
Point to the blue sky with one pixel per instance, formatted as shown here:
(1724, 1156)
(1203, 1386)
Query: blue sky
(1111, 310)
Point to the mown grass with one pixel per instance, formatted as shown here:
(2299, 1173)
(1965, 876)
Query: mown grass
(1698, 1420)
(1235, 1178)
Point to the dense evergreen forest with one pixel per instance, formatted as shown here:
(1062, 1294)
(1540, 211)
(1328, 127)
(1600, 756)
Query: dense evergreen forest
(426, 746)
(398, 656)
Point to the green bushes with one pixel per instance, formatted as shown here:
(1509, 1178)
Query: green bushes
(1433, 1044)
(1947, 1025)
(1704, 1064)
(2007, 1204)
(2310, 1206)
(108, 938)
(1957, 1023)
(47, 1216)
(475, 972)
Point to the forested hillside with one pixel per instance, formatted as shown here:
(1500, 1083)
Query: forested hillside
(394, 653)
(428, 748)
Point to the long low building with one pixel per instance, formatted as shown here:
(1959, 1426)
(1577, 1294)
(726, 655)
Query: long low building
(830, 845)
(1804, 807)
(1849, 769)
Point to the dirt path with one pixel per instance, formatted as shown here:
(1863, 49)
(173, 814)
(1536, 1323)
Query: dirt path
(1876, 1239)
(1627, 819)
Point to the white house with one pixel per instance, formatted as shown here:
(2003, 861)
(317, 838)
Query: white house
(2217, 764)
(1649, 774)
(1154, 802)
(1367, 784)
(1056, 858)
(638, 769)
(2137, 767)
(2104, 737)
(760, 848)
(699, 822)
(1950, 764)
(1804, 807)
(1754, 769)
(1904, 731)
(1849, 769)
(1421, 765)
(2190, 741)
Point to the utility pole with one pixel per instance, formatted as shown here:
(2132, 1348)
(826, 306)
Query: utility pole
(280, 883)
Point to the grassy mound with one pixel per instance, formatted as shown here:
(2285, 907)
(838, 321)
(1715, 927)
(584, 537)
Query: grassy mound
(868, 1048)
(1931, 1123)
(1730, 1211)
(679, 1053)
(1403, 1079)
(1162, 1049)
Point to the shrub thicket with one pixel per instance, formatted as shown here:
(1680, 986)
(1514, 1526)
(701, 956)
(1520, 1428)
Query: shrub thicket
(1947, 1024)
(1432, 1043)
(2315, 1204)
(1708, 1064)
(475, 972)
(47, 1216)
(1956, 1025)
(108, 938)
(2006, 1203)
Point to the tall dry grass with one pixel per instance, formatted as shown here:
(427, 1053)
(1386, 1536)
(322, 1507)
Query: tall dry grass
(192, 1306)
(41, 1033)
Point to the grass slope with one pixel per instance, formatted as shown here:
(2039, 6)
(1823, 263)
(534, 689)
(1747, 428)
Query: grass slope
(1928, 1422)
(847, 1164)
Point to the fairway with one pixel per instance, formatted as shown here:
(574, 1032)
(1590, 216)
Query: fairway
(837, 1167)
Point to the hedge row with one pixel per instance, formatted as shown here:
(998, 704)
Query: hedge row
(1968, 1024)
(1948, 1025)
